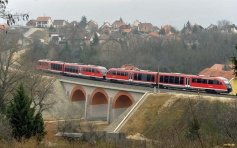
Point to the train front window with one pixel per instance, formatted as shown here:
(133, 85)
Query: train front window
(210, 81)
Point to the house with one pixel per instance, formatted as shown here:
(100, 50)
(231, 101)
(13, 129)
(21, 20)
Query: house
(222, 70)
(43, 22)
(91, 26)
(155, 29)
(116, 35)
(3, 27)
(31, 23)
(55, 37)
(153, 34)
(125, 29)
(106, 28)
(77, 36)
(145, 27)
(212, 27)
(167, 28)
(136, 23)
(59, 23)
(103, 38)
(117, 24)
(233, 29)
(218, 70)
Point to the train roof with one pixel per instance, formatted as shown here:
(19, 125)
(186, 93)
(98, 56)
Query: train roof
(128, 69)
(84, 65)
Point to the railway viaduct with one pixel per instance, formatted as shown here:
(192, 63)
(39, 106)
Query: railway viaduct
(100, 101)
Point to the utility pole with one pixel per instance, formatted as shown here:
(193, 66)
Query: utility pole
(158, 79)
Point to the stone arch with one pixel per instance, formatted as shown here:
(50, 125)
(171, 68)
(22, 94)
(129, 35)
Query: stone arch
(78, 94)
(122, 100)
(99, 96)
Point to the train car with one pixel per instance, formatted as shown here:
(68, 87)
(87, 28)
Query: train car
(132, 76)
(51, 66)
(118, 74)
(75, 69)
(194, 82)
(91, 71)
(43, 64)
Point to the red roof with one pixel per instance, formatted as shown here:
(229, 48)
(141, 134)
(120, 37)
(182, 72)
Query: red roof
(154, 34)
(218, 66)
(126, 30)
(43, 18)
(217, 73)
(167, 28)
(3, 26)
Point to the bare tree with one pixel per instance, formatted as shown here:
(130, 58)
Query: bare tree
(9, 16)
(223, 24)
(10, 72)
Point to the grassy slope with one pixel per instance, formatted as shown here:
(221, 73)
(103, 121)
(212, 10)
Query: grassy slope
(170, 118)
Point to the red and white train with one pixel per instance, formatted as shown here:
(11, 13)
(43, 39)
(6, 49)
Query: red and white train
(165, 80)
(75, 69)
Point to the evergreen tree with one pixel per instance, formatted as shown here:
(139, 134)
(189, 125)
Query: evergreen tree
(39, 127)
(83, 22)
(234, 62)
(183, 30)
(95, 39)
(21, 116)
(188, 25)
(162, 31)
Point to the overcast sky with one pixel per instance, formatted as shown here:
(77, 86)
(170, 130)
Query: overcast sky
(157, 12)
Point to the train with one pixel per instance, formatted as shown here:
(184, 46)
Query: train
(136, 76)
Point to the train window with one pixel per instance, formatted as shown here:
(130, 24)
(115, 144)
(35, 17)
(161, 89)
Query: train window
(166, 80)
(210, 81)
(199, 80)
(110, 72)
(125, 74)
(150, 78)
(97, 71)
(171, 79)
(194, 80)
(118, 73)
(176, 80)
(135, 76)
(139, 76)
(181, 80)
(56, 66)
(113, 72)
(43, 63)
(216, 82)
(161, 78)
(204, 81)
(71, 69)
(144, 77)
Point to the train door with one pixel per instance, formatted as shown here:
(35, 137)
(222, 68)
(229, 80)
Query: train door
(80, 70)
(49, 66)
(187, 82)
(130, 76)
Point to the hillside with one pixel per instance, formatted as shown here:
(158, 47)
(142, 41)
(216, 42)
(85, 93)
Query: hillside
(175, 119)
